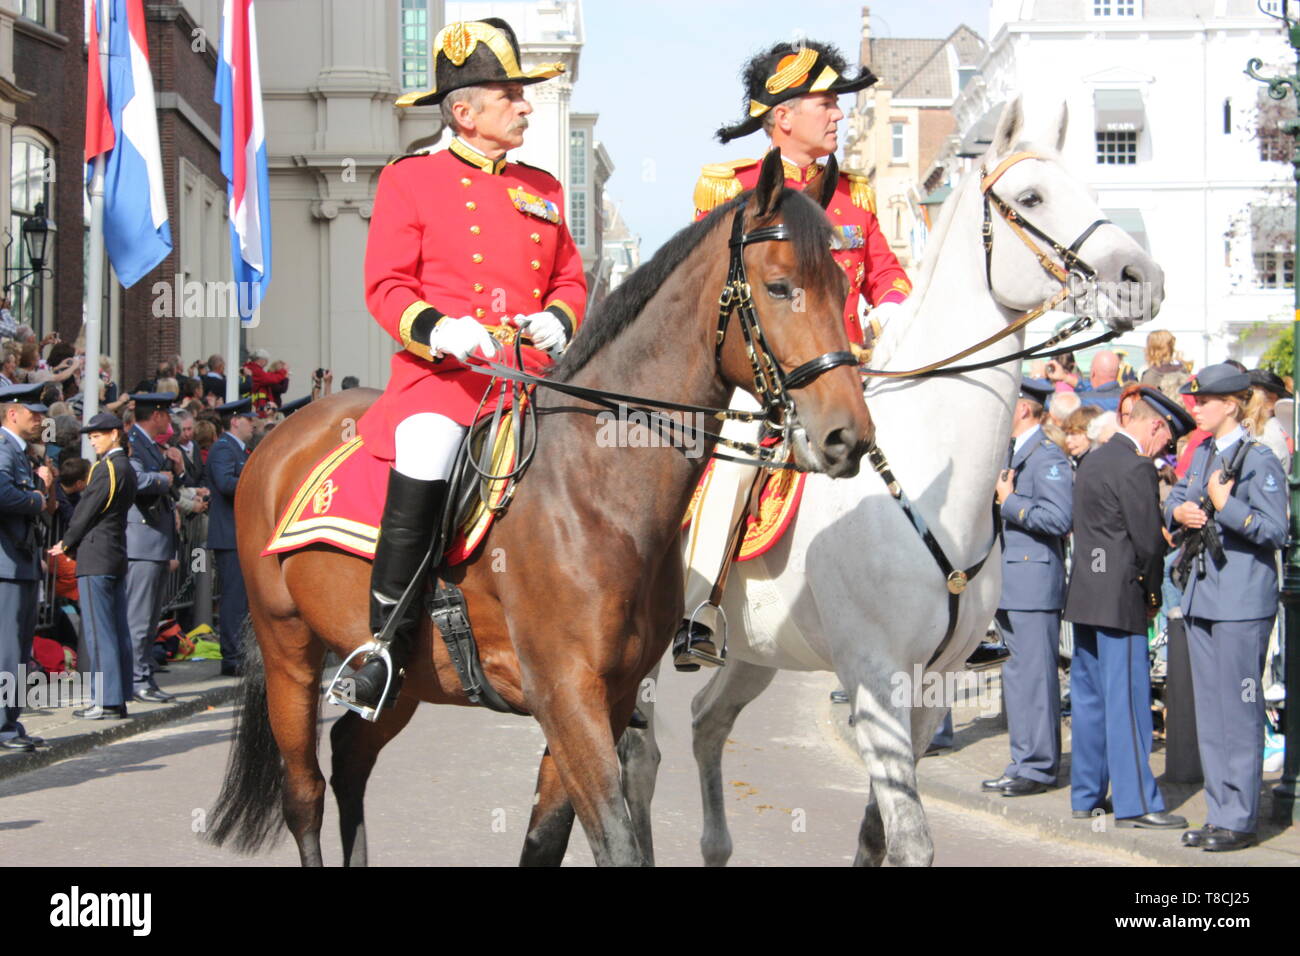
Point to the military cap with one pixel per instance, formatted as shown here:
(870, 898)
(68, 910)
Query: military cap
(27, 395)
(1221, 379)
(1036, 390)
(1175, 416)
(288, 408)
(474, 52)
(149, 402)
(1269, 381)
(103, 422)
(240, 406)
(786, 71)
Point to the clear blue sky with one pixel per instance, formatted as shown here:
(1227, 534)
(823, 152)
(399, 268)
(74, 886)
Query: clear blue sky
(664, 74)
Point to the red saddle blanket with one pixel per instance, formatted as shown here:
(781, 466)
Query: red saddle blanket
(778, 503)
(341, 503)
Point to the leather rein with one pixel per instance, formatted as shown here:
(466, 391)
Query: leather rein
(773, 386)
(1071, 264)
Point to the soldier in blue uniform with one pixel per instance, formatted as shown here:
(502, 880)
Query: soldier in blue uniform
(24, 494)
(1034, 494)
(150, 536)
(96, 536)
(1114, 590)
(1229, 606)
(225, 463)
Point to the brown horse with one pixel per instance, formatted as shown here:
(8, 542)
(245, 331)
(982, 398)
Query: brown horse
(578, 588)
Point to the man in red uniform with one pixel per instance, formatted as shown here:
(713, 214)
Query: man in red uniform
(791, 94)
(465, 249)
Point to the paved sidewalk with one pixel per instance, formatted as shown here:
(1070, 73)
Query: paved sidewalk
(981, 752)
(198, 685)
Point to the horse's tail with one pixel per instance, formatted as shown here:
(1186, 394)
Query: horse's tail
(248, 810)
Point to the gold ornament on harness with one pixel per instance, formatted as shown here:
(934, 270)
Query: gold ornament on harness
(957, 582)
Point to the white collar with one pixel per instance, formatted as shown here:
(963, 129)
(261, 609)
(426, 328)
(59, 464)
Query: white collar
(1227, 441)
(1025, 437)
(22, 443)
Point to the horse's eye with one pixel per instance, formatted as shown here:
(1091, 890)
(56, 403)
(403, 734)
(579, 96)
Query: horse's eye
(779, 290)
(1031, 199)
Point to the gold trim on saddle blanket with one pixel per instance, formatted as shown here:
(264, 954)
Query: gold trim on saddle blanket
(777, 505)
(298, 528)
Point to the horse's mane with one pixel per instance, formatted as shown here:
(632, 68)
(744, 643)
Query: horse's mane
(811, 235)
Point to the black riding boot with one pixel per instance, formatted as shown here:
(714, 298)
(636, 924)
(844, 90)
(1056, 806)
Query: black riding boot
(412, 512)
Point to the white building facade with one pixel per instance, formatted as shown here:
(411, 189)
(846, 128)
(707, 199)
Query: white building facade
(1168, 130)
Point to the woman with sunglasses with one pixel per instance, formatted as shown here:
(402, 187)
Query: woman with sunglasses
(1229, 601)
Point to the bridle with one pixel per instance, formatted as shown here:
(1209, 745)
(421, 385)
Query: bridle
(1072, 269)
(772, 385)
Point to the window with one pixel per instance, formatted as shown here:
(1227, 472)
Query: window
(896, 131)
(1275, 270)
(964, 75)
(1275, 145)
(35, 10)
(1117, 149)
(31, 172)
(1114, 8)
(414, 43)
(578, 207)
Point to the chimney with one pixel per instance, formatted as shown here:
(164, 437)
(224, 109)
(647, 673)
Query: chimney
(864, 53)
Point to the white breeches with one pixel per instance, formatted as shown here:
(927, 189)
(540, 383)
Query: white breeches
(725, 493)
(427, 444)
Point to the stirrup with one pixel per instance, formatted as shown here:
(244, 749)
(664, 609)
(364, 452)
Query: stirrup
(338, 692)
(713, 660)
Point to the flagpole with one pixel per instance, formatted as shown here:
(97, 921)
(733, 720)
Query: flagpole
(95, 306)
(232, 345)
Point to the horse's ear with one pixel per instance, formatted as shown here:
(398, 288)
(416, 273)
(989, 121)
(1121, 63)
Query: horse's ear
(1008, 131)
(1062, 123)
(771, 180)
(821, 189)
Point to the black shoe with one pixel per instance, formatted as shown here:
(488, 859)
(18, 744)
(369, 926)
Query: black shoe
(994, 786)
(1153, 821)
(109, 712)
(1195, 838)
(412, 515)
(17, 743)
(986, 656)
(936, 749)
(1223, 840)
(688, 655)
(151, 695)
(33, 740)
(1087, 814)
(839, 697)
(232, 669)
(1023, 787)
(637, 721)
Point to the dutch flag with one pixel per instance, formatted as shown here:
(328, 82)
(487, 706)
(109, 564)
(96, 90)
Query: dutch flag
(121, 122)
(243, 154)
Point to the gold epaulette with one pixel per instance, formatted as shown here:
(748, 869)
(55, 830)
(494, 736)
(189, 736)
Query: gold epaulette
(418, 152)
(718, 184)
(860, 191)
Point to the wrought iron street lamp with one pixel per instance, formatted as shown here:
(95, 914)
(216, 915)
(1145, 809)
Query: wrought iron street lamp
(1285, 793)
(35, 232)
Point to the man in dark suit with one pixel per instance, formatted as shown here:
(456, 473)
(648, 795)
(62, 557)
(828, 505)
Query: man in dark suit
(226, 460)
(1114, 590)
(96, 535)
(1034, 496)
(150, 535)
(24, 494)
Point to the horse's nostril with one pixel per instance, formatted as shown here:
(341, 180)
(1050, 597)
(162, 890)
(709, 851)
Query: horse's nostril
(836, 444)
(1132, 273)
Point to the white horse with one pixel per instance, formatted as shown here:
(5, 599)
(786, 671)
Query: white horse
(852, 588)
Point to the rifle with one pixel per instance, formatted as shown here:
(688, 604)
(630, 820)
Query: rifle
(1199, 542)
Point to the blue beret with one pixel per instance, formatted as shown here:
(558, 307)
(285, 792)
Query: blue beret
(103, 422)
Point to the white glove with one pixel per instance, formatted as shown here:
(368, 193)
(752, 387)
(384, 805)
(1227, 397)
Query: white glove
(884, 312)
(459, 337)
(546, 331)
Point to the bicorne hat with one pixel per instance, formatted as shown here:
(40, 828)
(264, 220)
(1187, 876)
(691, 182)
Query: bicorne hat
(788, 70)
(474, 52)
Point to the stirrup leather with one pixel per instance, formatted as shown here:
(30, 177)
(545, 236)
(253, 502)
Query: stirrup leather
(339, 691)
(716, 660)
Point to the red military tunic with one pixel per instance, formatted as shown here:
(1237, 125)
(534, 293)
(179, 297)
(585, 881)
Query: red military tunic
(459, 233)
(871, 267)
